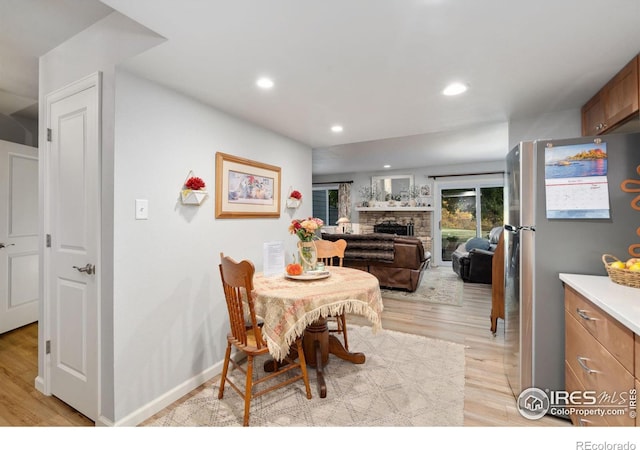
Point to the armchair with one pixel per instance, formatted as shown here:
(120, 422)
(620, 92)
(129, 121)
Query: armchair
(473, 260)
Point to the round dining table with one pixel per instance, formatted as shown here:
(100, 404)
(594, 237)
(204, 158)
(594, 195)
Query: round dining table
(294, 306)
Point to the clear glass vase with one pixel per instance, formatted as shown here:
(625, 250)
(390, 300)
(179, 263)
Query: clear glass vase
(308, 255)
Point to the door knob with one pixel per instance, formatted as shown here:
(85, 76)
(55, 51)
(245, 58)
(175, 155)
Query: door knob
(3, 245)
(88, 269)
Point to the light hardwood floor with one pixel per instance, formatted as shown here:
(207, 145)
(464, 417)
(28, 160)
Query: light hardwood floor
(488, 398)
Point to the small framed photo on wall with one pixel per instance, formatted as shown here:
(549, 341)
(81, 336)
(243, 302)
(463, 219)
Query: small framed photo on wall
(425, 190)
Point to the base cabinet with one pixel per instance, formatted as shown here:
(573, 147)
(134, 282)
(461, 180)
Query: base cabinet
(600, 364)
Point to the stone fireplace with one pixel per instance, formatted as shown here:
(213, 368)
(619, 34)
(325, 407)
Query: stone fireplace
(421, 219)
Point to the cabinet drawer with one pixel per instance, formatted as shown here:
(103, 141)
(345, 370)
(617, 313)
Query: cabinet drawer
(618, 339)
(637, 353)
(572, 385)
(597, 370)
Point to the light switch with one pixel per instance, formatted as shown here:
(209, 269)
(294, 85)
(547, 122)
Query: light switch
(142, 209)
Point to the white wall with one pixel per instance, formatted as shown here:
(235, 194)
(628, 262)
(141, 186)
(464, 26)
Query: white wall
(162, 316)
(557, 125)
(98, 48)
(170, 319)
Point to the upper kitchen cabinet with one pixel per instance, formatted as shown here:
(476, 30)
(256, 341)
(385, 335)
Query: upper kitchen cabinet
(615, 103)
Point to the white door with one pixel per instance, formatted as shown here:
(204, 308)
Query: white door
(72, 214)
(18, 235)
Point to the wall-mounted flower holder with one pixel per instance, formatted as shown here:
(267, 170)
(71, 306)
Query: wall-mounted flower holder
(190, 197)
(294, 199)
(193, 192)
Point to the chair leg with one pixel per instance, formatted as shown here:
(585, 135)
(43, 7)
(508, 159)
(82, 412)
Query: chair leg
(248, 390)
(225, 369)
(303, 367)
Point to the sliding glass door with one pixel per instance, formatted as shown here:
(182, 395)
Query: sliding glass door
(466, 211)
(458, 219)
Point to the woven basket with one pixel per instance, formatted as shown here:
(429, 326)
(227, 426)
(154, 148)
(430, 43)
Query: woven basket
(621, 276)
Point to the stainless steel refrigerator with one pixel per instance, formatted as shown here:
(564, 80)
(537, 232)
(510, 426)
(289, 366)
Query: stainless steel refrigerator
(566, 209)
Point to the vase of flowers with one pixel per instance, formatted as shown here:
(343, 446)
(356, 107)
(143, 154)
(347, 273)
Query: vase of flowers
(368, 195)
(308, 255)
(414, 193)
(193, 192)
(305, 230)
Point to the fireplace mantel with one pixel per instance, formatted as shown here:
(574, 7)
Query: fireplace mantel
(395, 208)
(419, 216)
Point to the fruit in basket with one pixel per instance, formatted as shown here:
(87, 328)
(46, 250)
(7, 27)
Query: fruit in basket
(631, 261)
(294, 269)
(618, 265)
(635, 267)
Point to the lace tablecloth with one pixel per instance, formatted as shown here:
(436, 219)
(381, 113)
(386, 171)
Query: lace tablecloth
(288, 306)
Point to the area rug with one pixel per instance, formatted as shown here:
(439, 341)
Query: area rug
(406, 381)
(439, 285)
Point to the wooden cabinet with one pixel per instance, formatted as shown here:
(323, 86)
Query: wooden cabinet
(593, 118)
(497, 285)
(615, 103)
(599, 358)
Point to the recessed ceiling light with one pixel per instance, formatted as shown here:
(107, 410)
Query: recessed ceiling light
(265, 83)
(337, 128)
(387, 166)
(455, 89)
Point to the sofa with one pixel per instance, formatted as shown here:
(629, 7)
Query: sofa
(396, 261)
(473, 259)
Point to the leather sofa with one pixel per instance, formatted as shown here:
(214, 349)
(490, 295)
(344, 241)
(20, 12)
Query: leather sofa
(396, 261)
(473, 260)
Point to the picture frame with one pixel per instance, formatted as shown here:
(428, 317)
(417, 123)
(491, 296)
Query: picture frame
(425, 190)
(246, 188)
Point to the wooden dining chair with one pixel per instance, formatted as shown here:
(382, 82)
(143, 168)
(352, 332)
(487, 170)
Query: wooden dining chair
(330, 253)
(246, 336)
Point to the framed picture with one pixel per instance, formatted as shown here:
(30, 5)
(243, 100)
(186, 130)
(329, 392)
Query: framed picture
(245, 188)
(425, 190)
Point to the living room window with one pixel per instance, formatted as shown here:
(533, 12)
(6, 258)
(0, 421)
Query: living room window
(325, 204)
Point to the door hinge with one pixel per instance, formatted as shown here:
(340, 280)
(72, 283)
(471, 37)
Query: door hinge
(49, 134)
(48, 240)
(47, 347)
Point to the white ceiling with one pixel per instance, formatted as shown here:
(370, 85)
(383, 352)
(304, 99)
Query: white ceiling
(29, 29)
(377, 67)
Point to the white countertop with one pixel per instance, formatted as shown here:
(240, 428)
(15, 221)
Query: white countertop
(620, 302)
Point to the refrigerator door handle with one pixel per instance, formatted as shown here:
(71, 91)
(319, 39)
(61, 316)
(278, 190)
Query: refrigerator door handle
(515, 229)
(511, 228)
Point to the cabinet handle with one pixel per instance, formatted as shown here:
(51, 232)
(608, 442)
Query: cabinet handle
(583, 313)
(581, 361)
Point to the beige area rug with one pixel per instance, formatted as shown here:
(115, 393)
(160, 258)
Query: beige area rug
(406, 380)
(439, 285)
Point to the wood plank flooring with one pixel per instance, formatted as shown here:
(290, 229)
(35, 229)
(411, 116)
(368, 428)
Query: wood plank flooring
(21, 404)
(488, 398)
